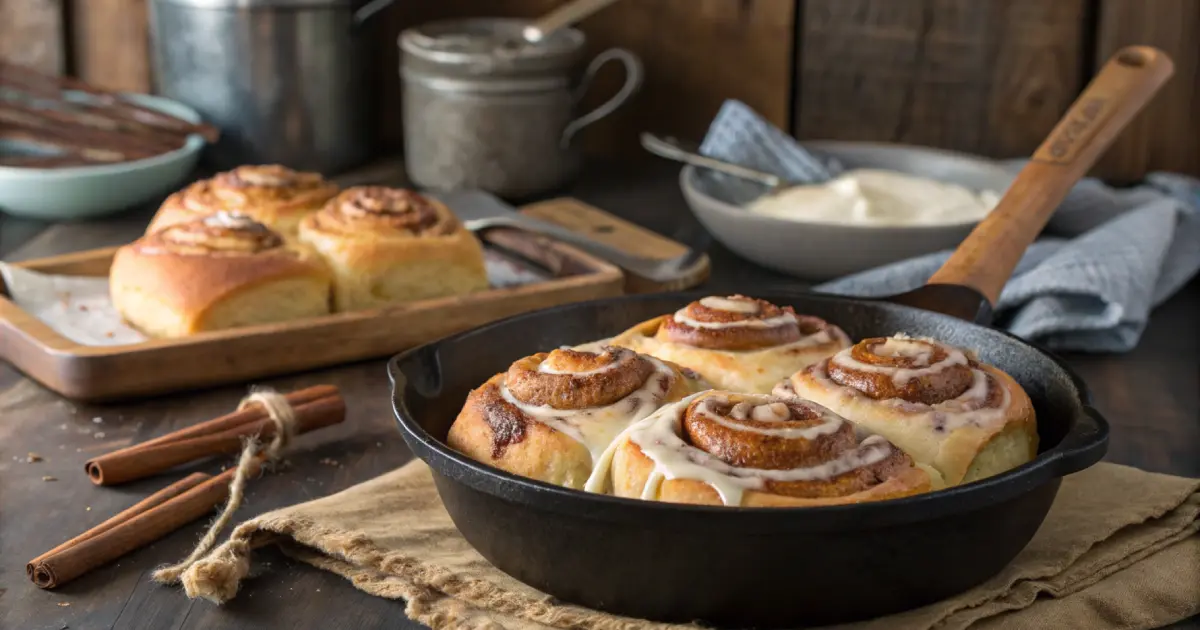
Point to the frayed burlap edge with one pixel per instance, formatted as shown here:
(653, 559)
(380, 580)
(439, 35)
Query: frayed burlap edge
(429, 591)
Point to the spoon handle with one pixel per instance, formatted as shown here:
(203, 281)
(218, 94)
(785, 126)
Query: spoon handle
(986, 258)
(670, 148)
(563, 16)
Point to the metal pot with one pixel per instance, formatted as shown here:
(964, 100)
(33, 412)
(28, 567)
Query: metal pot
(283, 79)
(479, 115)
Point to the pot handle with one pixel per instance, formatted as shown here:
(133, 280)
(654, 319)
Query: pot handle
(1085, 444)
(634, 74)
(986, 258)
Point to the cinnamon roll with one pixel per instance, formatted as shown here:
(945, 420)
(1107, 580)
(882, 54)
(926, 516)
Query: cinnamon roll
(221, 271)
(737, 343)
(724, 448)
(941, 405)
(273, 195)
(551, 415)
(389, 245)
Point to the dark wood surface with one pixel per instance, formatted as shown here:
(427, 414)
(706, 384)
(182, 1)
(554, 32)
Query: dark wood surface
(1151, 396)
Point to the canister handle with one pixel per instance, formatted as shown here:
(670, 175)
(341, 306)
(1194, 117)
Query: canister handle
(634, 75)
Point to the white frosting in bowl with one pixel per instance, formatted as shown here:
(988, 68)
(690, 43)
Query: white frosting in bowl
(875, 197)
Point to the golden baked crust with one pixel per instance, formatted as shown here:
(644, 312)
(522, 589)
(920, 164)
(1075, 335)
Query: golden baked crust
(937, 402)
(725, 448)
(737, 343)
(273, 195)
(222, 271)
(390, 245)
(551, 414)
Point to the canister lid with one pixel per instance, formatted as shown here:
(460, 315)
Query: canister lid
(478, 45)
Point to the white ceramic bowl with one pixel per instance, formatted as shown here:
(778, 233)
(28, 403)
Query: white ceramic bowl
(819, 251)
(79, 192)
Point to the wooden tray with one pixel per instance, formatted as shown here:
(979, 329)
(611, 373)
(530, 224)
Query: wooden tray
(101, 373)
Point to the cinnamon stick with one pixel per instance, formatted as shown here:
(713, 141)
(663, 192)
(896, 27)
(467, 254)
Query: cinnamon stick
(50, 87)
(314, 408)
(144, 522)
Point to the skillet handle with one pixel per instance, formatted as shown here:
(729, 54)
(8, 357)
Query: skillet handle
(1085, 444)
(986, 258)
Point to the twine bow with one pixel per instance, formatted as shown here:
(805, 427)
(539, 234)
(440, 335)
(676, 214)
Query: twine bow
(281, 414)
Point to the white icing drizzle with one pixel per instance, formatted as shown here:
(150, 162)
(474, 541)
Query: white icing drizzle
(597, 427)
(621, 359)
(770, 322)
(902, 347)
(729, 304)
(657, 436)
(230, 220)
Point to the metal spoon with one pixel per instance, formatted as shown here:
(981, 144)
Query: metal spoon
(674, 149)
(562, 17)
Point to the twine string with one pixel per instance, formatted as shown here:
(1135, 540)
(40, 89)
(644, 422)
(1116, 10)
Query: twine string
(281, 414)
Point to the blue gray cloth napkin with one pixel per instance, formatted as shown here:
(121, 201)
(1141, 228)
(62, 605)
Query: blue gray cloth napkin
(1117, 253)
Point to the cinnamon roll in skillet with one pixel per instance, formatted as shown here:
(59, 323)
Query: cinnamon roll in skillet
(737, 343)
(551, 415)
(939, 403)
(273, 195)
(754, 450)
(390, 245)
(220, 271)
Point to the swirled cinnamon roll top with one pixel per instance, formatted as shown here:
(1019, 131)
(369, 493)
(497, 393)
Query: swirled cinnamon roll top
(565, 383)
(573, 379)
(937, 402)
(272, 194)
(551, 415)
(220, 234)
(737, 343)
(736, 323)
(921, 371)
(397, 210)
(759, 444)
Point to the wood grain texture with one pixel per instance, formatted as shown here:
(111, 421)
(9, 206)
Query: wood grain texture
(31, 34)
(697, 53)
(1149, 395)
(1165, 136)
(111, 43)
(984, 76)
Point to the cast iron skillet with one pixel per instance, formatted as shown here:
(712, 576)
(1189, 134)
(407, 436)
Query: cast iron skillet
(787, 566)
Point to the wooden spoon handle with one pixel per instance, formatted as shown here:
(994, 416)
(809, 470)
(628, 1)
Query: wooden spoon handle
(986, 258)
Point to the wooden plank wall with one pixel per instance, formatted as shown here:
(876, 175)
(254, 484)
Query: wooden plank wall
(984, 76)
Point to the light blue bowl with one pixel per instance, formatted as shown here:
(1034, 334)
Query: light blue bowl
(79, 192)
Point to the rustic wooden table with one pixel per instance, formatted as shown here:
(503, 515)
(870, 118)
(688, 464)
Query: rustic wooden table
(1150, 395)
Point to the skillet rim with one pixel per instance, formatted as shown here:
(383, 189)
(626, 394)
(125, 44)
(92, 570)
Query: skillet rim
(920, 507)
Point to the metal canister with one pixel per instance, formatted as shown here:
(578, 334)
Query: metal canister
(484, 111)
(284, 80)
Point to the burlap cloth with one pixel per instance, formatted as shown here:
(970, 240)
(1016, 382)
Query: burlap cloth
(1118, 550)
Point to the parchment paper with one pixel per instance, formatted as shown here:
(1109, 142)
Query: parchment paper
(79, 307)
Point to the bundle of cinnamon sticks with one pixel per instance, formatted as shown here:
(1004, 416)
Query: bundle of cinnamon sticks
(102, 127)
(183, 501)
